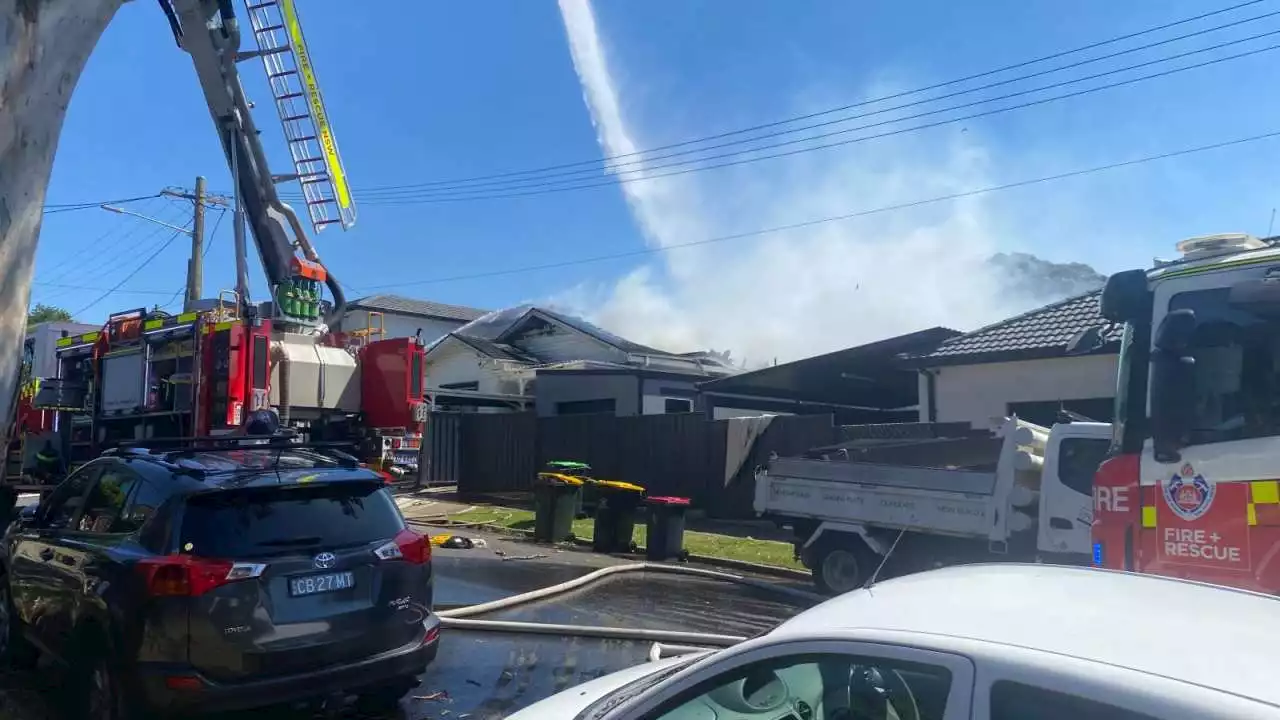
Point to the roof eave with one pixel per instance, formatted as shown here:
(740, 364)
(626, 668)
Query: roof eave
(985, 358)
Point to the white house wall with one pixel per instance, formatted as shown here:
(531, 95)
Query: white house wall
(45, 337)
(459, 363)
(977, 394)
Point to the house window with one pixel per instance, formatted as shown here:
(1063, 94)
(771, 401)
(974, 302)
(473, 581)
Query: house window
(587, 407)
(677, 405)
(1048, 412)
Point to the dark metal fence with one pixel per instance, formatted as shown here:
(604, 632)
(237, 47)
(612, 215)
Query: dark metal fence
(679, 454)
(440, 458)
(498, 452)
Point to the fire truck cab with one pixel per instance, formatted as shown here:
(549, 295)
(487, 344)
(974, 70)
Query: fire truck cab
(1192, 487)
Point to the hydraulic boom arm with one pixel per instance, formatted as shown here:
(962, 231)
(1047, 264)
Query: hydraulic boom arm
(210, 33)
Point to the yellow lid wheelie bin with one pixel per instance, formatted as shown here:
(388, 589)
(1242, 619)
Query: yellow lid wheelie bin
(615, 516)
(555, 502)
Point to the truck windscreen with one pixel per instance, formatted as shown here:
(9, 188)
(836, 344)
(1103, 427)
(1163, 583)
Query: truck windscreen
(1237, 369)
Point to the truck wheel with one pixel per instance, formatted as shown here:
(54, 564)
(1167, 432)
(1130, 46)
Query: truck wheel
(843, 563)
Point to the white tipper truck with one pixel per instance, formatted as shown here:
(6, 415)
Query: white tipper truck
(869, 507)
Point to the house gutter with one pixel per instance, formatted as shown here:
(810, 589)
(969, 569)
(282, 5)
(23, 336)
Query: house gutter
(792, 401)
(931, 394)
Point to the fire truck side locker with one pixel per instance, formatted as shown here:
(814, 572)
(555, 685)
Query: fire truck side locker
(391, 383)
(391, 389)
(235, 373)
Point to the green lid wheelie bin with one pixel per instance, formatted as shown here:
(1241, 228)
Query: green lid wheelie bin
(588, 498)
(665, 528)
(615, 516)
(555, 500)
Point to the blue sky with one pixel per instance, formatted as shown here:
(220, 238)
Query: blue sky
(422, 93)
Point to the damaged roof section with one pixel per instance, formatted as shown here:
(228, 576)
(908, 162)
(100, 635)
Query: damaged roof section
(1070, 327)
(554, 340)
(497, 351)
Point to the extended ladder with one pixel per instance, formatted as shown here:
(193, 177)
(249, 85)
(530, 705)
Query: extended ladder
(317, 165)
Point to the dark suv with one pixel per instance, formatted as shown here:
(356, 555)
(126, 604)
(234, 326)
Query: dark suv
(219, 579)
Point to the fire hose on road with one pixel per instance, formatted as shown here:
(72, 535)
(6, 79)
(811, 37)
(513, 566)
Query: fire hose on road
(460, 618)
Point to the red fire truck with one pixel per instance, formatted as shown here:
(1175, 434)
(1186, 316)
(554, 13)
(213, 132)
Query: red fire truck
(196, 374)
(1192, 488)
(148, 374)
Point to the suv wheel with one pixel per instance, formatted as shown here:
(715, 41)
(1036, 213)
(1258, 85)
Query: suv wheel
(386, 697)
(95, 687)
(14, 648)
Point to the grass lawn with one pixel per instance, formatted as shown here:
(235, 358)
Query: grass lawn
(765, 552)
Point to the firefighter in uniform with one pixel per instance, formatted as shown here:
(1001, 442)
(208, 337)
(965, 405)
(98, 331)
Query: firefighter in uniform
(48, 464)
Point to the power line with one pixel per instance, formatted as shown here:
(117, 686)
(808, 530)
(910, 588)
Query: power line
(639, 164)
(100, 247)
(208, 243)
(839, 218)
(49, 209)
(842, 108)
(176, 234)
(98, 289)
(120, 259)
(427, 199)
(59, 268)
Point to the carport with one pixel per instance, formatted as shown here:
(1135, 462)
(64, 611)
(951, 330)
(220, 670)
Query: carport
(864, 384)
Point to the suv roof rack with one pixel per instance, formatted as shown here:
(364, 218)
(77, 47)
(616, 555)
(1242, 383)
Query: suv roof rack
(224, 442)
(167, 449)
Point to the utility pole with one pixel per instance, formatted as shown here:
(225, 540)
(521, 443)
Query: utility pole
(195, 271)
(195, 266)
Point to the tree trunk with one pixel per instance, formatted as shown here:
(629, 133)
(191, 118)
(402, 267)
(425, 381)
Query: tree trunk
(43, 48)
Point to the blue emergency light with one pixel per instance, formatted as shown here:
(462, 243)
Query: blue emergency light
(1097, 554)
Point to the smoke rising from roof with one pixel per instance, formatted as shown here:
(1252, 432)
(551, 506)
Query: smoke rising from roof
(803, 292)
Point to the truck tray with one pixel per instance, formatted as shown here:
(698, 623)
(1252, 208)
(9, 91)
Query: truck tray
(916, 478)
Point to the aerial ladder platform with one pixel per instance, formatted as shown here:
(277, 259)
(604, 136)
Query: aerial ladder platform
(210, 32)
(317, 164)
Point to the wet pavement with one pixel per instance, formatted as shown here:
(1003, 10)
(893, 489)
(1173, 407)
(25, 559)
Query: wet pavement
(487, 676)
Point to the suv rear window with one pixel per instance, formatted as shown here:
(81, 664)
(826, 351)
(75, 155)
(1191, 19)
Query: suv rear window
(253, 522)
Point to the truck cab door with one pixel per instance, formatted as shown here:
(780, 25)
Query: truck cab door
(1071, 459)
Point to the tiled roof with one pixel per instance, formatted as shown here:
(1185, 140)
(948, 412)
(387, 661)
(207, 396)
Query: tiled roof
(1040, 333)
(422, 308)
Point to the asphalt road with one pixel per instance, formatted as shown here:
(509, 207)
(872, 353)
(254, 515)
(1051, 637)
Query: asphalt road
(486, 676)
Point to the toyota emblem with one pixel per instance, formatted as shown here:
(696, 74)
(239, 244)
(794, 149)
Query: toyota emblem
(325, 560)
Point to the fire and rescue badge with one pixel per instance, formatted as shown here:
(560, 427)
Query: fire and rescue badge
(1188, 495)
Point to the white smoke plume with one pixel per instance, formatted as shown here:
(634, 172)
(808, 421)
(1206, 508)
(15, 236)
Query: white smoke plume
(803, 292)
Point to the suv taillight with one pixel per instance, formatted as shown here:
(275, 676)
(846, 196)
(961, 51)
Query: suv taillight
(408, 546)
(187, 576)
